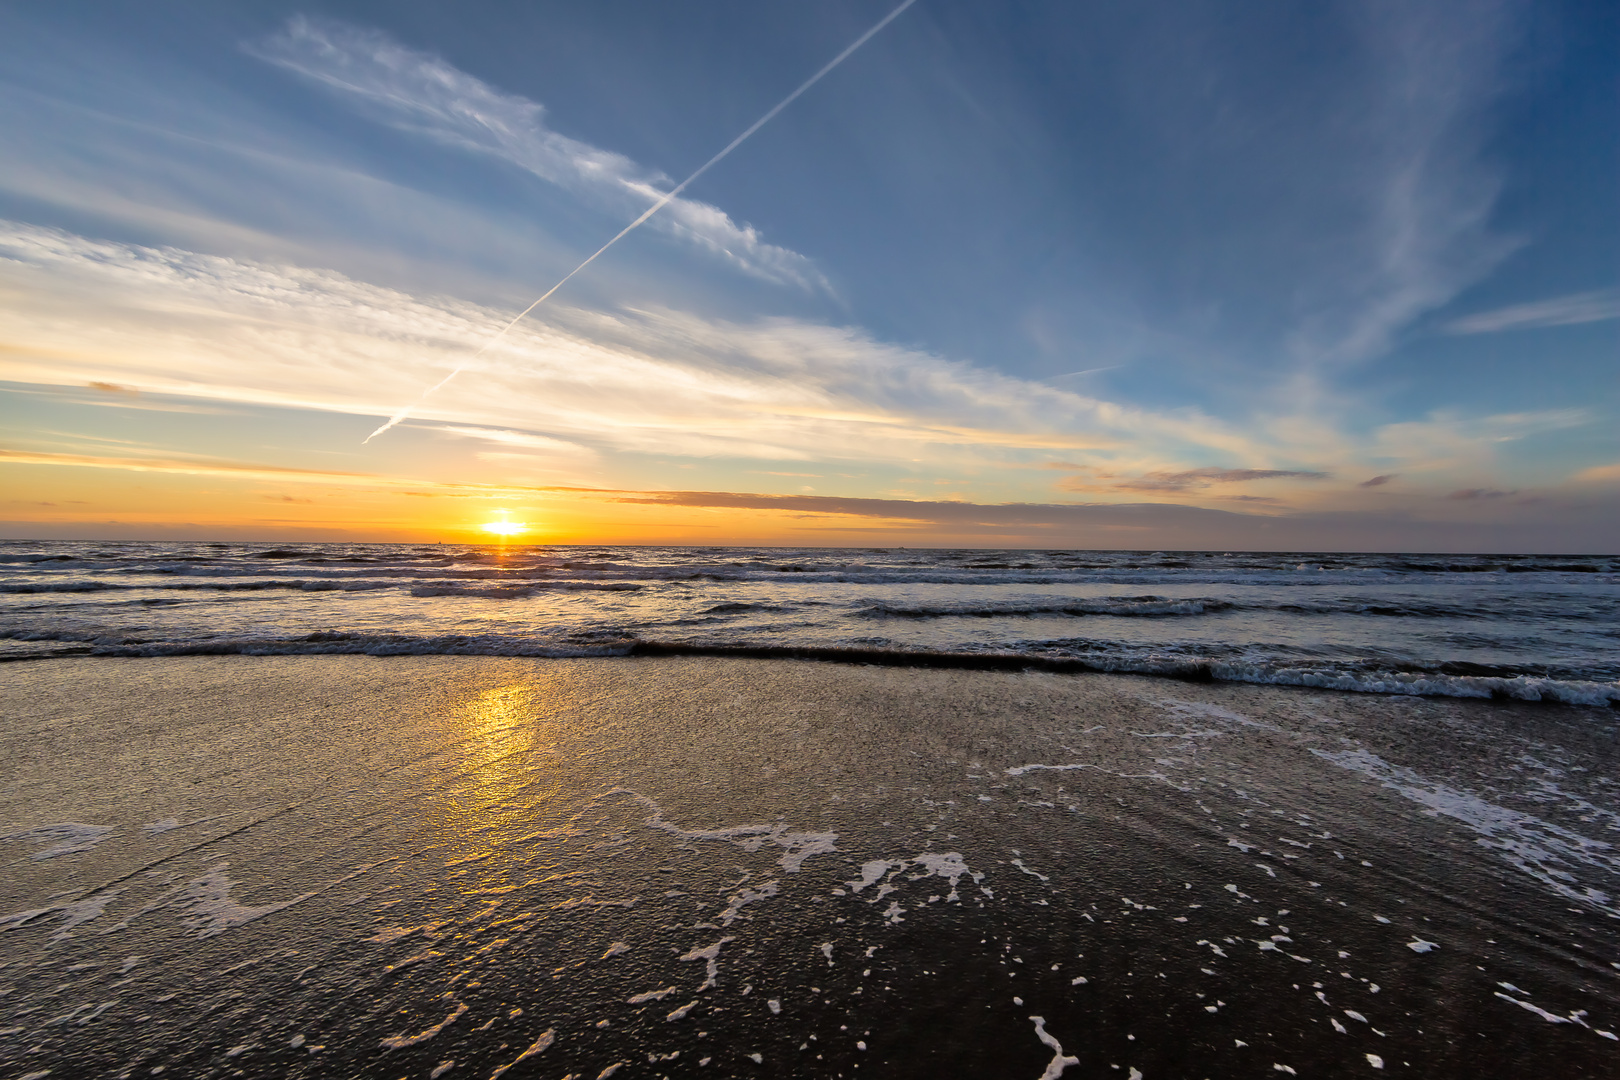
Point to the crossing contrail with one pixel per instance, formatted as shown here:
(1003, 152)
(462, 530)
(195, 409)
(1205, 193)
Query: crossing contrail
(663, 201)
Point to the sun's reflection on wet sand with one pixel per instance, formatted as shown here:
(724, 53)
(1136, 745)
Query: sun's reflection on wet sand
(501, 788)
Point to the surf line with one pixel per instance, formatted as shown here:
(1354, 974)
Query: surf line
(663, 201)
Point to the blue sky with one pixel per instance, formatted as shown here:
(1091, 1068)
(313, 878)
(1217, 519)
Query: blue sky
(1231, 260)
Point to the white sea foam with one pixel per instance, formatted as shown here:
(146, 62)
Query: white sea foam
(1060, 1061)
(736, 901)
(798, 846)
(1547, 852)
(710, 955)
(22, 918)
(1024, 869)
(62, 838)
(1020, 770)
(948, 865)
(74, 913)
(209, 908)
(78, 912)
(872, 872)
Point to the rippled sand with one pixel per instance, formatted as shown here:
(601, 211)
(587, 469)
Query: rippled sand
(460, 866)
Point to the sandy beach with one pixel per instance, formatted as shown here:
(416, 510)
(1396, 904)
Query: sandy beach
(472, 866)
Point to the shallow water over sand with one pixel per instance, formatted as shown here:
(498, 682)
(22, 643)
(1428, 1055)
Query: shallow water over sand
(624, 867)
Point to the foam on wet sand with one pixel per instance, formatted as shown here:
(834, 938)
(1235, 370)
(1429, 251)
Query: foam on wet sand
(728, 866)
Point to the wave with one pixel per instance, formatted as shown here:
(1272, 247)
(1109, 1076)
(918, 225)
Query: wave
(58, 586)
(1413, 684)
(1122, 606)
(1510, 608)
(327, 644)
(290, 585)
(518, 592)
(1514, 687)
(341, 584)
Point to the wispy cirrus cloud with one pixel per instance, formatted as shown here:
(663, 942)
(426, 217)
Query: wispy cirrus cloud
(1599, 305)
(418, 92)
(583, 385)
(127, 398)
(187, 465)
(1445, 441)
(1188, 480)
(1422, 190)
(1200, 478)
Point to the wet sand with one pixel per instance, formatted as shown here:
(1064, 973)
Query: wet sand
(479, 867)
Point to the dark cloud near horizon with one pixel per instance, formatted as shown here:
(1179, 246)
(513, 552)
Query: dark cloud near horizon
(1378, 481)
(1142, 525)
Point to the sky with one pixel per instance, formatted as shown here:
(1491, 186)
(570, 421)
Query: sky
(1118, 274)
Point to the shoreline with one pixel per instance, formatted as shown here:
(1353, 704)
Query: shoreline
(437, 859)
(1452, 685)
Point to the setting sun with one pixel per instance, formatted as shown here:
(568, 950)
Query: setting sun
(504, 528)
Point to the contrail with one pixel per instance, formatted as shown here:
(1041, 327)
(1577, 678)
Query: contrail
(651, 210)
(1087, 371)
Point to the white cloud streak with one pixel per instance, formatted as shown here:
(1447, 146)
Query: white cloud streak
(1587, 307)
(1426, 193)
(417, 92)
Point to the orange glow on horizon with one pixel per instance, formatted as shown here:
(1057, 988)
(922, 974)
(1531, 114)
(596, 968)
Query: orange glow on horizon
(74, 502)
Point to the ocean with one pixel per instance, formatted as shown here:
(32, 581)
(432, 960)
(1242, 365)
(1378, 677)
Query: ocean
(1527, 627)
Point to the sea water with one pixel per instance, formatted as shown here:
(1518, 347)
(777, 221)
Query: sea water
(1530, 627)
